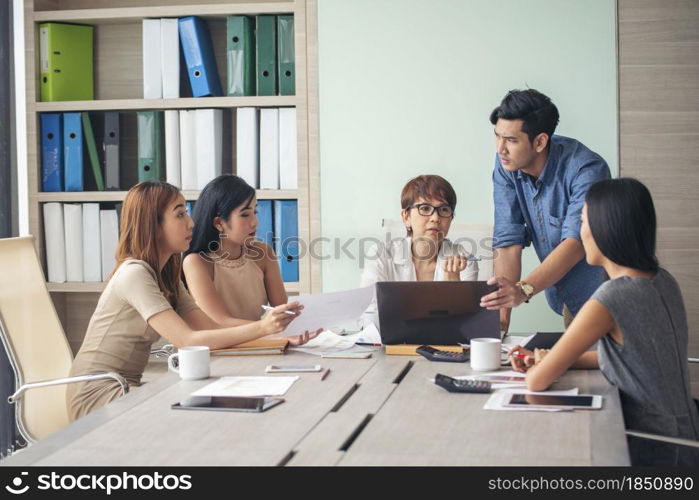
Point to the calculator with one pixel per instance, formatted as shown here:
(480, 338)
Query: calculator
(438, 355)
(457, 385)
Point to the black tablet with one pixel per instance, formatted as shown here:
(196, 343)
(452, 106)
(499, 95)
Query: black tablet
(227, 403)
(543, 340)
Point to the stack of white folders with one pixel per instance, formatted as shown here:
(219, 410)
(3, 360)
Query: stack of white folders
(266, 153)
(161, 59)
(193, 147)
(266, 147)
(81, 241)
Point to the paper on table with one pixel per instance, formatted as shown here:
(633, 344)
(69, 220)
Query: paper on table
(498, 398)
(247, 386)
(327, 310)
(327, 341)
(353, 353)
(329, 344)
(369, 335)
(513, 340)
(503, 376)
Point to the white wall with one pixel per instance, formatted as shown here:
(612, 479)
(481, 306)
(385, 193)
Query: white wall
(406, 88)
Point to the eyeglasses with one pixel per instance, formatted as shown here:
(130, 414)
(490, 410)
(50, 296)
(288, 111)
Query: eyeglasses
(425, 209)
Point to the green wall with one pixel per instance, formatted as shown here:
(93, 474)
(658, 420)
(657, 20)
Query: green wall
(406, 88)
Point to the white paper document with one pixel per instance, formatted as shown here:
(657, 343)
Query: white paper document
(247, 386)
(327, 310)
(331, 345)
(498, 398)
(370, 335)
(512, 340)
(327, 341)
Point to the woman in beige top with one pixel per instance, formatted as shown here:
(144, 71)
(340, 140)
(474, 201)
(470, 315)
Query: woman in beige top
(229, 273)
(145, 298)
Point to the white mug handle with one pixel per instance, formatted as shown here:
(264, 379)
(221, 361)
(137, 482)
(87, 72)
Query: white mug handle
(173, 362)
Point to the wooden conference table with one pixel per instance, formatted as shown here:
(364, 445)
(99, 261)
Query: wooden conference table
(384, 410)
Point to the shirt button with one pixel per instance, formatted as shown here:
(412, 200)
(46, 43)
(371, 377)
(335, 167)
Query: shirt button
(542, 239)
(540, 218)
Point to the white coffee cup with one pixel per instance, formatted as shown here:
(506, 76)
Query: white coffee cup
(191, 362)
(485, 354)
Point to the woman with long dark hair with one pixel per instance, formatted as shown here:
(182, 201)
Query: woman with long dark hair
(145, 299)
(639, 319)
(230, 274)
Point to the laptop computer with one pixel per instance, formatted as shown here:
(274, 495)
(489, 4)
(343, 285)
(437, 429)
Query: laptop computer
(434, 312)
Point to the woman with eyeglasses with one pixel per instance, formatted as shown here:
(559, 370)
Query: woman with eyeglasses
(424, 253)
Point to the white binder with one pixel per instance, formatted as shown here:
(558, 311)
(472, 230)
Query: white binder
(55, 242)
(73, 226)
(152, 74)
(288, 168)
(269, 148)
(172, 147)
(248, 146)
(170, 60)
(92, 253)
(209, 145)
(109, 231)
(188, 149)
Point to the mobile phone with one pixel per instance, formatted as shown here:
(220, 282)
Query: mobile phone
(292, 368)
(581, 401)
(228, 403)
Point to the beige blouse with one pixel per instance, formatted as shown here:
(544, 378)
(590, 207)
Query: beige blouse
(118, 336)
(241, 285)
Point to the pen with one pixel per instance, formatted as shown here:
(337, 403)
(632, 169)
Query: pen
(518, 355)
(324, 374)
(268, 308)
(367, 343)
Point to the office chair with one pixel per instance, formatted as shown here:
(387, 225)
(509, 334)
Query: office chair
(35, 343)
(477, 239)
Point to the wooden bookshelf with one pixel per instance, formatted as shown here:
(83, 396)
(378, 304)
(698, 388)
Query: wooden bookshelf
(100, 16)
(159, 104)
(115, 196)
(118, 87)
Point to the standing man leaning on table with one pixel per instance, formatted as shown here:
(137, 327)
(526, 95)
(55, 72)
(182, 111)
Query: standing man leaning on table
(539, 185)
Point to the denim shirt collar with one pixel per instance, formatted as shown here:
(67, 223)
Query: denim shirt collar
(549, 169)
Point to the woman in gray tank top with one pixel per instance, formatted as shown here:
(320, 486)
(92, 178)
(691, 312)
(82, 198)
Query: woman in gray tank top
(639, 319)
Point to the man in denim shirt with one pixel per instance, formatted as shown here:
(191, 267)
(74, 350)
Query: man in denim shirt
(539, 186)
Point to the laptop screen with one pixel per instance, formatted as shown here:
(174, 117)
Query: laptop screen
(434, 312)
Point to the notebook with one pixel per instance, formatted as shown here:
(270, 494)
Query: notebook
(254, 347)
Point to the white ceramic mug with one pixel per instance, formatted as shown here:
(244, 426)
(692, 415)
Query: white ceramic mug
(485, 354)
(191, 362)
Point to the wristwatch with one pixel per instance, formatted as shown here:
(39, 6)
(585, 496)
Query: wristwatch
(526, 288)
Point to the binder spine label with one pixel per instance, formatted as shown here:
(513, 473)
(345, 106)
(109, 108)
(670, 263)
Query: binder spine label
(236, 64)
(44, 49)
